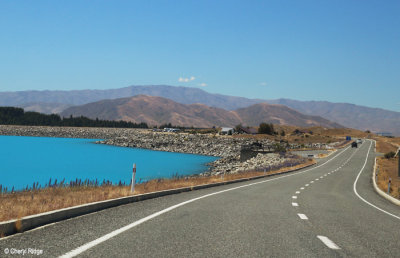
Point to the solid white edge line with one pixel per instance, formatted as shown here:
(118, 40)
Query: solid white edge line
(329, 243)
(106, 237)
(302, 216)
(361, 198)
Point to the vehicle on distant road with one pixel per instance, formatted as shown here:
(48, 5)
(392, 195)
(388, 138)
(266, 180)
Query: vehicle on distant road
(359, 141)
(354, 145)
(171, 130)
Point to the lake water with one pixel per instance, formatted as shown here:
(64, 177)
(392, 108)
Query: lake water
(25, 160)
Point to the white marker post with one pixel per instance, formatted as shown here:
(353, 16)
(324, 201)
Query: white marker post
(133, 178)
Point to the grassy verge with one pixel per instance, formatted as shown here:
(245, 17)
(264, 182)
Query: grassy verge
(387, 167)
(21, 204)
(324, 155)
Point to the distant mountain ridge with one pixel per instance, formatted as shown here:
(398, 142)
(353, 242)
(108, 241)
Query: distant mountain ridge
(43, 107)
(349, 115)
(157, 110)
(184, 95)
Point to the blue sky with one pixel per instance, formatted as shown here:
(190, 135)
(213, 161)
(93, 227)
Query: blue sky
(339, 51)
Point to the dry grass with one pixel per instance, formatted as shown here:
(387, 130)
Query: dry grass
(299, 139)
(21, 204)
(324, 155)
(388, 169)
(383, 146)
(318, 135)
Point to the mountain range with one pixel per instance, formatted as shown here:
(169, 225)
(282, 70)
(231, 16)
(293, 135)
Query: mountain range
(348, 115)
(184, 95)
(157, 110)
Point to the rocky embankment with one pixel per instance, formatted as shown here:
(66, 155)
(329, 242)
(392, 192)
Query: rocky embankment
(66, 132)
(202, 144)
(262, 162)
(225, 147)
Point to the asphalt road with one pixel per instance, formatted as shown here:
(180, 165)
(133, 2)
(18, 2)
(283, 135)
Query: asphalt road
(314, 212)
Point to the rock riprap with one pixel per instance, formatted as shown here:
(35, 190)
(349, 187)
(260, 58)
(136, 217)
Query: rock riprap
(225, 147)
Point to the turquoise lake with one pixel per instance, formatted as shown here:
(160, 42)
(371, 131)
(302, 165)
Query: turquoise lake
(25, 160)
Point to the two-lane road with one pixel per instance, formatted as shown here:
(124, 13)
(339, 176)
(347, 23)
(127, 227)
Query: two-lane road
(313, 212)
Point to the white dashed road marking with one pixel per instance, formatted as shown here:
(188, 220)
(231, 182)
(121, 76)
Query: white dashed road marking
(302, 216)
(328, 242)
(89, 245)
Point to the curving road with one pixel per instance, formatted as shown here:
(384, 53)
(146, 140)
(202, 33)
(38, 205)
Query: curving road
(328, 210)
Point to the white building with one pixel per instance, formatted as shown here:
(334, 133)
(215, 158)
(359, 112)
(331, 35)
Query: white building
(227, 130)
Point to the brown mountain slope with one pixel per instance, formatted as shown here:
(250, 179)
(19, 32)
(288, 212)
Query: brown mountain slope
(157, 110)
(349, 115)
(280, 114)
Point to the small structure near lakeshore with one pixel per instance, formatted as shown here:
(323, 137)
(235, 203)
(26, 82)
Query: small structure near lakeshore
(247, 130)
(227, 131)
(171, 130)
(249, 151)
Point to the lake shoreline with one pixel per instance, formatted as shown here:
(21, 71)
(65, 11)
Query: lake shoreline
(226, 148)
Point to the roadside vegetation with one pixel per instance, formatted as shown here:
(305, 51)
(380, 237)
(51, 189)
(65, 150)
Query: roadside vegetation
(17, 116)
(265, 128)
(388, 165)
(57, 195)
(34, 201)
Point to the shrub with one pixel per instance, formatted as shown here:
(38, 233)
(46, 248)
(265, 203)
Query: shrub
(279, 148)
(389, 155)
(266, 129)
